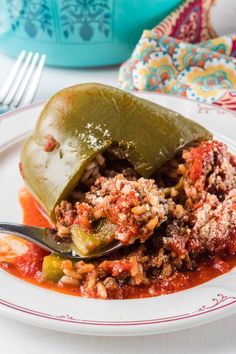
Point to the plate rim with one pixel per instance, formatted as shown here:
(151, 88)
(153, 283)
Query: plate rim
(141, 323)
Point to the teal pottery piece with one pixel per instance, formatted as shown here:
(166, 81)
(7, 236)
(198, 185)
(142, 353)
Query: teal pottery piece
(78, 33)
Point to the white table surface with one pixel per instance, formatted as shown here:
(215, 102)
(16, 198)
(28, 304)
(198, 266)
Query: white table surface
(17, 338)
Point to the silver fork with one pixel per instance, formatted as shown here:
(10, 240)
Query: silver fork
(22, 81)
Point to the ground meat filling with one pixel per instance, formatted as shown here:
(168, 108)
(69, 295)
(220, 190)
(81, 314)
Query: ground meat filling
(215, 222)
(135, 207)
(167, 223)
(209, 169)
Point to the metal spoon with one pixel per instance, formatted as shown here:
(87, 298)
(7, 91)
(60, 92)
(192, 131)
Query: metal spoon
(45, 238)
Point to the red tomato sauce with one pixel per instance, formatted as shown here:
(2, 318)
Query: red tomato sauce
(28, 267)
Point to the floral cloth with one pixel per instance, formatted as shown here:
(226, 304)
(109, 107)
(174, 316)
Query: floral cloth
(183, 56)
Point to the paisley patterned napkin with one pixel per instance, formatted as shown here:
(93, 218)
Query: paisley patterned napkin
(183, 56)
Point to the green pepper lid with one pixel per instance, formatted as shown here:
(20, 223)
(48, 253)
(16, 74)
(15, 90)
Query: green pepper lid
(83, 121)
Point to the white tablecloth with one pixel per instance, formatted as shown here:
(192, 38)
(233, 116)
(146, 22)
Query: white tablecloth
(17, 338)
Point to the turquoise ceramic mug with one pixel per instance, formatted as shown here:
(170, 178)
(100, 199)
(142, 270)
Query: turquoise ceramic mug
(78, 33)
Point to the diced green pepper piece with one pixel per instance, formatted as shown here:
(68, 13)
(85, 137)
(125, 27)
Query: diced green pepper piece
(88, 243)
(86, 119)
(178, 187)
(52, 268)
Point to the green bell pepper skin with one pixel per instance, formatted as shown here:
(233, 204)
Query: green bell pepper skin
(52, 268)
(86, 119)
(86, 244)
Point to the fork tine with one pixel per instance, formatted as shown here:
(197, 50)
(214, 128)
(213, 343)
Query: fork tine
(34, 82)
(11, 76)
(18, 80)
(25, 82)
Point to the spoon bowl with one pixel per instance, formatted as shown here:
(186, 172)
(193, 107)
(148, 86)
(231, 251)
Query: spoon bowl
(48, 240)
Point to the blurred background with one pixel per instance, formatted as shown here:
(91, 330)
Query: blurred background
(86, 40)
(92, 35)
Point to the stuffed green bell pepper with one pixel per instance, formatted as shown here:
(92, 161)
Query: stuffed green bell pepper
(82, 121)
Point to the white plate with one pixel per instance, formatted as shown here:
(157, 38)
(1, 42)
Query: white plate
(25, 302)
